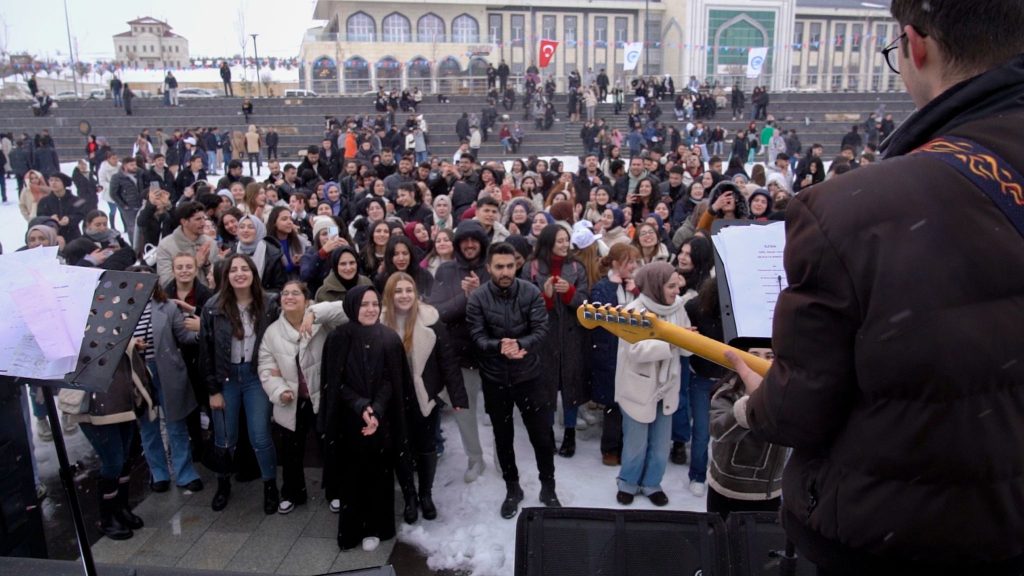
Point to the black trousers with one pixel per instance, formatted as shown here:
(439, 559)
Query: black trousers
(611, 431)
(291, 456)
(721, 504)
(529, 397)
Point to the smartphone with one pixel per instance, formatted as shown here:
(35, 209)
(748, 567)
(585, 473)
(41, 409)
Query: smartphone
(332, 232)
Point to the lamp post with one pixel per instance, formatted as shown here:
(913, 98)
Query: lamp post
(647, 29)
(71, 52)
(256, 52)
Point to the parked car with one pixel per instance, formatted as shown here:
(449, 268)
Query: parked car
(65, 95)
(97, 94)
(299, 93)
(196, 93)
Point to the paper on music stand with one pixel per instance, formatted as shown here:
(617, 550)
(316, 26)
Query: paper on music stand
(46, 310)
(752, 256)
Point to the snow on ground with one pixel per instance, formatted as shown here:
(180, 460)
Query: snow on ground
(185, 75)
(470, 534)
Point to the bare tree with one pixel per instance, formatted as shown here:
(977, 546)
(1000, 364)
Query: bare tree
(243, 38)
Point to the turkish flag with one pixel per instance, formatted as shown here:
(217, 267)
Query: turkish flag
(547, 52)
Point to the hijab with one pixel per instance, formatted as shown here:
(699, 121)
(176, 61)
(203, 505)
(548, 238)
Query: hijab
(257, 249)
(336, 205)
(48, 231)
(335, 258)
(651, 279)
(353, 301)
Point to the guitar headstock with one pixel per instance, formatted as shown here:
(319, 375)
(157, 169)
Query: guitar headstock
(630, 325)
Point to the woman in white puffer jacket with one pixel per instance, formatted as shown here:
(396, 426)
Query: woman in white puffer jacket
(289, 369)
(647, 387)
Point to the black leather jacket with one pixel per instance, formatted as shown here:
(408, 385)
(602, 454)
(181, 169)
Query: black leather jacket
(215, 340)
(518, 312)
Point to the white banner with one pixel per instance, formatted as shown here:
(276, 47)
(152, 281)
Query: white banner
(631, 56)
(755, 61)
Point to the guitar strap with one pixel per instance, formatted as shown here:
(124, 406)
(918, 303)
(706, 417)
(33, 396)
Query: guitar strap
(989, 172)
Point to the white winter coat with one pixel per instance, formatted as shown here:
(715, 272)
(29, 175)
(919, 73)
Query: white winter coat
(281, 343)
(648, 372)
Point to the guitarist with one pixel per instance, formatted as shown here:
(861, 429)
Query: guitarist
(898, 377)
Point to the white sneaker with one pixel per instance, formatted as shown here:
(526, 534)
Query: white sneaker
(697, 489)
(370, 543)
(475, 470)
(285, 507)
(336, 505)
(70, 428)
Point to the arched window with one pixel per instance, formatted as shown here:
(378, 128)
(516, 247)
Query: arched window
(465, 29)
(389, 73)
(357, 75)
(430, 28)
(396, 28)
(361, 28)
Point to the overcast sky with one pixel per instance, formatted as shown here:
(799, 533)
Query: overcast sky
(211, 26)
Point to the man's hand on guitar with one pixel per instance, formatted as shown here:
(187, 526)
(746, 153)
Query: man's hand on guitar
(752, 380)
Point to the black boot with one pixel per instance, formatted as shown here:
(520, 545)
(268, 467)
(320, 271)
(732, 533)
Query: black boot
(678, 453)
(513, 496)
(426, 466)
(223, 494)
(110, 526)
(568, 448)
(547, 494)
(123, 511)
(404, 471)
(270, 497)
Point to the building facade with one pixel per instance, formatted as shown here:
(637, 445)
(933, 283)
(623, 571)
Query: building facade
(150, 44)
(446, 45)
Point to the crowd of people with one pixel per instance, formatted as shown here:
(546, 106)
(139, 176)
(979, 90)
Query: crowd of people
(370, 286)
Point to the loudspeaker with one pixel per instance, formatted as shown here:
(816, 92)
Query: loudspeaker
(21, 520)
(589, 542)
(757, 546)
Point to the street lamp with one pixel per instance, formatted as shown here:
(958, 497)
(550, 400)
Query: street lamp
(647, 30)
(257, 53)
(71, 51)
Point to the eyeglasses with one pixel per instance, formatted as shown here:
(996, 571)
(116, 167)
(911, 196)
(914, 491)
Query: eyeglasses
(892, 59)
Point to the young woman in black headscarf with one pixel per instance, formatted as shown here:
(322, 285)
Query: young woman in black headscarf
(365, 377)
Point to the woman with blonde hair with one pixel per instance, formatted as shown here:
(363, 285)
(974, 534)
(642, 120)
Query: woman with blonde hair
(35, 189)
(434, 367)
(254, 201)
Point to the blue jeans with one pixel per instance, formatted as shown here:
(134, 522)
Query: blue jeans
(700, 412)
(644, 453)
(112, 443)
(211, 160)
(244, 387)
(681, 431)
(421, 157)
(153, 442)
(118, 101)
(111, 213)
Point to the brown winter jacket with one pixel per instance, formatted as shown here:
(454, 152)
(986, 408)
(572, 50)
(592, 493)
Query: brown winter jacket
(898, 377)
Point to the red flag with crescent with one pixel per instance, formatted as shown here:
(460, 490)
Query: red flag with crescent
(547, 52)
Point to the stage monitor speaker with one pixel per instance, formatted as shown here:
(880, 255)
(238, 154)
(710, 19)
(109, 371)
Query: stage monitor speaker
(589, 542)
(378, 571)
(757, 546)
(21, 519)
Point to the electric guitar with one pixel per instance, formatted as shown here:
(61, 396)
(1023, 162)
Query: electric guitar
(636, 325)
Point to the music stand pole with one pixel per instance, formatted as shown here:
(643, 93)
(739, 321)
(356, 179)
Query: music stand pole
(67, 480)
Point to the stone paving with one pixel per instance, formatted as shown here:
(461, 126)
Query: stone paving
(181, 530)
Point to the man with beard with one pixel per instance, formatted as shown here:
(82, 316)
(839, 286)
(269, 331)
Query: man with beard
(507, 323)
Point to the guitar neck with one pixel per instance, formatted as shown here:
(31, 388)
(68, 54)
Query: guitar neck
(635, 325)
(709, 348)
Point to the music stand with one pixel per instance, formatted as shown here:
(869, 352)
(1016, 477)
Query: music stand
(729, 332)
(117, 305)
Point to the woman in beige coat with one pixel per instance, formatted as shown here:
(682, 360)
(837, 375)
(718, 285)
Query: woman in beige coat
(289, 369)
(253, 144)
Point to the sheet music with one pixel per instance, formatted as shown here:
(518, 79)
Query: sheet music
(752, 256)
(45, 307)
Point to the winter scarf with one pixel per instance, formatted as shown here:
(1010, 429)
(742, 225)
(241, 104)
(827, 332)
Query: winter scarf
(257, 250)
